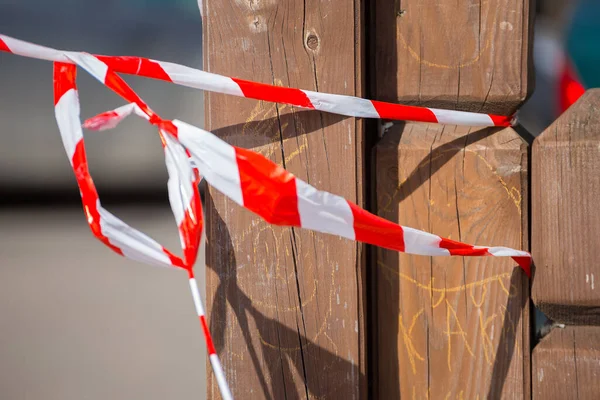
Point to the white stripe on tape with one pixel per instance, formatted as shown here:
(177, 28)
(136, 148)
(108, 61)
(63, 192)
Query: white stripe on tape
(505, 251)
(218, 370)
(67, 117)
(422, 243)
(200, 79)
(214, 157)
(340, 104)
(181, 176)
(196, 296)
(324, 212)
(451, 117)
(91, 64)
(133, 243)
(27, 49)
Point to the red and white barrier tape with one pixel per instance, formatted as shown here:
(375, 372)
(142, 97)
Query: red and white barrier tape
(265, 188)
(332, 103)
(247, 178)
(182, 187)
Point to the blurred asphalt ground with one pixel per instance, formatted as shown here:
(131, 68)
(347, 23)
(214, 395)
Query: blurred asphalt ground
(81, 322)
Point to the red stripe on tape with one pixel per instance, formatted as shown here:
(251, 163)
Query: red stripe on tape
(64, 80)
(175, 261)
(191, 228)
(119, 86)
(116, 83)
(209, 343)
(524, 263)
(165, 125)
(401, 112)
(372, 229)
(136, 66)
(89, 195)
(267, 189)
(276, 94)
(4, 47)
(501, 120)
(191, 239)
(100, 120)
(461, 249)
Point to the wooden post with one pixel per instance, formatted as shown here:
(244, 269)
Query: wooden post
(565, 233)
(565, 218)
(286, 305)
(565, 364)
(465, 55)
(453, 327)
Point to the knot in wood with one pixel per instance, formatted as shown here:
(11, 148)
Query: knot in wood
(312, 41)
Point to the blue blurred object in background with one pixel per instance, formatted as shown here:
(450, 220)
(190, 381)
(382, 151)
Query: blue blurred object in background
(583, 42)
(566, 57)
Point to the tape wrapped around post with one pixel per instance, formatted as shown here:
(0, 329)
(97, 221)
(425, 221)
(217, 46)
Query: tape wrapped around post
(327, 102)
(246, 177)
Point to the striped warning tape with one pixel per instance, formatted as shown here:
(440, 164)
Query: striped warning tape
(332, 103)
(247, 178)
(265, 188)
(182, 186)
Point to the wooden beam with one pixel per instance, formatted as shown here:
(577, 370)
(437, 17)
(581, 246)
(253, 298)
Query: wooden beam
(287, 306)
(565, 364)
(452, 327)
(470, 55)
(566, 222)
(448, 326)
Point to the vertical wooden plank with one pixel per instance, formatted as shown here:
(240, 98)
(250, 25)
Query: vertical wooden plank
(448, 327)
(565, 364)
(472, 55)
(453, 327)
(566, 222)
(286, 305)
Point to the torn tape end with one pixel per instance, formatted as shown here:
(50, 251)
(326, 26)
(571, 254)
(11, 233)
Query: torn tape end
(102, 122)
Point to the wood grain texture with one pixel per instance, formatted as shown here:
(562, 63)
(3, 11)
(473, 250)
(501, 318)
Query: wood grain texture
(453, 327)
(565, 218)
(566, 365)
(471, 55)
(286, 305)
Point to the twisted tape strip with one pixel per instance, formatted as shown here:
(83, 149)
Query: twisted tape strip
(327, 102)
(247, 178)
(182, 187)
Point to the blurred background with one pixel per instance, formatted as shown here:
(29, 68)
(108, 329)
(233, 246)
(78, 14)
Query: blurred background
(79, 322)
(566, 56)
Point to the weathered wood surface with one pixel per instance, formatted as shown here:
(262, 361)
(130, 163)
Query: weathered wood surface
(565, 217)
(286, 305)
(453, 327)
(472, 55)
(566, 365)
(448, 326)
